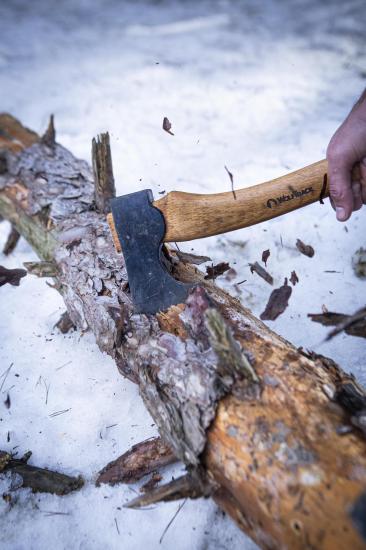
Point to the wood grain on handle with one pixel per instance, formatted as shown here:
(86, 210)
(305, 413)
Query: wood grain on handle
(191, 216)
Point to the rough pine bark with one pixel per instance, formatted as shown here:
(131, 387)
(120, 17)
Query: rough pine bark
(275, 434)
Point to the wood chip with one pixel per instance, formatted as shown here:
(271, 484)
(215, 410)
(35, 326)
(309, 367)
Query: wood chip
(294, 278)
(167, 126)
(188, 258)
(11, 276)
(7, 402)
(305, 249)
(354, 325)
(259, 270)
(216, 270)
(265, 255)
(277, 303)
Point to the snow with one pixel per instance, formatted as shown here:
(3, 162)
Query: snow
(258, 87)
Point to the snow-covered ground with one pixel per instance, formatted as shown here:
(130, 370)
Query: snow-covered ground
(256, 86)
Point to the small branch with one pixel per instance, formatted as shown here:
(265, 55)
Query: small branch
(41, 269)
(11, 241)
(183, 487)
(103, 173)
(140, 460)
(40, 480)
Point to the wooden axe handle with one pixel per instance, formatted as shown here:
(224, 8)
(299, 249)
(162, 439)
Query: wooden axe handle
(191, 216)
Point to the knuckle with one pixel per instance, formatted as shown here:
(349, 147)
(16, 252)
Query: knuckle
(337, 152)
(337, 193)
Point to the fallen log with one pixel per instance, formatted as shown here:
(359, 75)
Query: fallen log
(257, 422)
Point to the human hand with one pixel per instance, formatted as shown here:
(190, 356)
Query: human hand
(346, 148)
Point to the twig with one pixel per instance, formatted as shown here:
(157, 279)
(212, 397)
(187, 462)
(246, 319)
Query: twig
(5, 375)
(232, 181)
(57, 413)
(171, 521)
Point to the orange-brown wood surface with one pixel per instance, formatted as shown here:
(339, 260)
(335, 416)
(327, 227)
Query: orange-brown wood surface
(288, 476)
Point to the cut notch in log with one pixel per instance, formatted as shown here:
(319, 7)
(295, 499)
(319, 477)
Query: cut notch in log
(103, 172)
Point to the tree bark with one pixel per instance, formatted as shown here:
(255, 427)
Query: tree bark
(263, 425)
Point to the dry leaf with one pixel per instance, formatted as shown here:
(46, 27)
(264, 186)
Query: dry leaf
(305, 249)
(277, 303)
(261, 272)
(265, 255)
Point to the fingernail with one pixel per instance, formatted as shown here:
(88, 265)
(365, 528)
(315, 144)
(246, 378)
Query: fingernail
(341, 213)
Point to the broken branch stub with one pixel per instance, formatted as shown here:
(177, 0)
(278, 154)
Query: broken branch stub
(142, 459)
(105, 189)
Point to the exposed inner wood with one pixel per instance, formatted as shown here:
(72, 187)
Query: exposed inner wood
(241, 406)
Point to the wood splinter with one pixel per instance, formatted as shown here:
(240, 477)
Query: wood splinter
(105, 189)
(183, 487)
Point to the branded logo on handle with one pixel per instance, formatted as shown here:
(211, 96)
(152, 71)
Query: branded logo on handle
(284, 198)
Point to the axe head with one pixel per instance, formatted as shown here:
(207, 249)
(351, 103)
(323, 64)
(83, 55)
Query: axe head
(140, 229)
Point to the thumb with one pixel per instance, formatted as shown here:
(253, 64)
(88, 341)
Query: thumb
(340, 190)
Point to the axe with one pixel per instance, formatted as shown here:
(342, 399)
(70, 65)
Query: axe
(140, 225)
